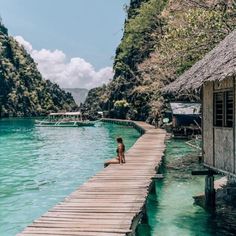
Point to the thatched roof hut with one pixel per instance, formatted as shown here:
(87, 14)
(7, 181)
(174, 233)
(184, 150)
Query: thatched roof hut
(218, 64)
(215, 75)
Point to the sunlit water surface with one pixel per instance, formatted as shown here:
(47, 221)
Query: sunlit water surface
(39, 166)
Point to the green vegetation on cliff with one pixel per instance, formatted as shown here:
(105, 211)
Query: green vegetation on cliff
(162, 39)
(23, 91)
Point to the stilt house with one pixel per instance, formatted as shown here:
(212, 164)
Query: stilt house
(215, 75)
(186, 120)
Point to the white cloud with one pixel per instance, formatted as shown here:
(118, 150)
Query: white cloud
(77, 73)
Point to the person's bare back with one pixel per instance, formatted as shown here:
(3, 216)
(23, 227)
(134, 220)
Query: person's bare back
(120, 159)
(120, 151)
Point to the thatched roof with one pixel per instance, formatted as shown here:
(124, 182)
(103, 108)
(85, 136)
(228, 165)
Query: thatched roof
(218, 64)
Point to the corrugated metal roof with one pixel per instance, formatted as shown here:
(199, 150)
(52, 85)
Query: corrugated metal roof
(179, 108)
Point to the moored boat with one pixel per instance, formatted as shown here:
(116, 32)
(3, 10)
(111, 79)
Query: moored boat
(64, 119)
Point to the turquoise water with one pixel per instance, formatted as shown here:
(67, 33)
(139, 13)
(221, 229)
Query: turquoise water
(39, 166)
(171, 211)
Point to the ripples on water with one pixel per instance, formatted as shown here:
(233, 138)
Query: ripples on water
(39, 166)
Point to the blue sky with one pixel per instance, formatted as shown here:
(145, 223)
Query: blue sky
(85, 29)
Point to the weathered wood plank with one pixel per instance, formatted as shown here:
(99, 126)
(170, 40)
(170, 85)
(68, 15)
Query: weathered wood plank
(73, 234)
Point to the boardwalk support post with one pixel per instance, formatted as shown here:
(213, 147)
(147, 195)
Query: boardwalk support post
(209, 187)
(144, 219)
(209, 191)
(152, 188)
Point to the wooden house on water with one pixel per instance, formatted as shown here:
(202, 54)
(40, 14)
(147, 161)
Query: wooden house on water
(186, 118)
(215, 75)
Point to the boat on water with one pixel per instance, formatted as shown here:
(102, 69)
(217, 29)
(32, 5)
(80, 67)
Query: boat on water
(64, 119)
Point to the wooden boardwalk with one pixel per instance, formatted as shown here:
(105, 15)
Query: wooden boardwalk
(110, 203)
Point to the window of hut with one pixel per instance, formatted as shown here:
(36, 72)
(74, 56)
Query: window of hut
(218, 109)
(229, 109)
(223, 109)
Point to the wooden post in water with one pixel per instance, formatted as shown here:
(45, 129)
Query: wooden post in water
(210, 195)
(209, 191)
(1, 98)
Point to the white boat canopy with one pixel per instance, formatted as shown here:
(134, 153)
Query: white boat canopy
(57, 114)
(66, 114)
(73, 113)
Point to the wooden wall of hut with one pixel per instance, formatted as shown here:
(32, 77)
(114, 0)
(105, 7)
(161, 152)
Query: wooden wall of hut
(218, 142)
(208, 124)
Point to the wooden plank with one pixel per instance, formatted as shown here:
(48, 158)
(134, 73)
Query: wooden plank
(58, 231)
(109, 202)
(74, 234)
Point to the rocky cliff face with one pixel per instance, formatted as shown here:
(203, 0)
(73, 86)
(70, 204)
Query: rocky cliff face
(23, 91)
(162, 39)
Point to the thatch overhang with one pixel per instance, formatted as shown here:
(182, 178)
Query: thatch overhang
(217, 65)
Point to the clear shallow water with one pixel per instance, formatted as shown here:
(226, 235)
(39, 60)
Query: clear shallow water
(39, 166)
(171, 211)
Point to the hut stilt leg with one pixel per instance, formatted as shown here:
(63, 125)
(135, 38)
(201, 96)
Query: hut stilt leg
(209, 191)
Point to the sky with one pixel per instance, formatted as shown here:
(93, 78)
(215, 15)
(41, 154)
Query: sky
(72, 41)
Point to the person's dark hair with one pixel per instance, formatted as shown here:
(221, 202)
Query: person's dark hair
(119, 140)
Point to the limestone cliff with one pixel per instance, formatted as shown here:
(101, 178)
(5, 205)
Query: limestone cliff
(162, 39)
(23, 91)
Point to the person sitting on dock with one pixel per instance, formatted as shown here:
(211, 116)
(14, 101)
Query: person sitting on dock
(120, 150)
(120, 159)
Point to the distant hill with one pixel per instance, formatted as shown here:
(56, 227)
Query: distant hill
(23, 91)
(79, 94)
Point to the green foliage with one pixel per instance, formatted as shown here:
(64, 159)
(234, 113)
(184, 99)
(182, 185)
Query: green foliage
(121, 104)
(3, 29)
(94, 102)
(162, 39)
(137, 42)
(120, 109)
(23, 92)
(198, 32)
